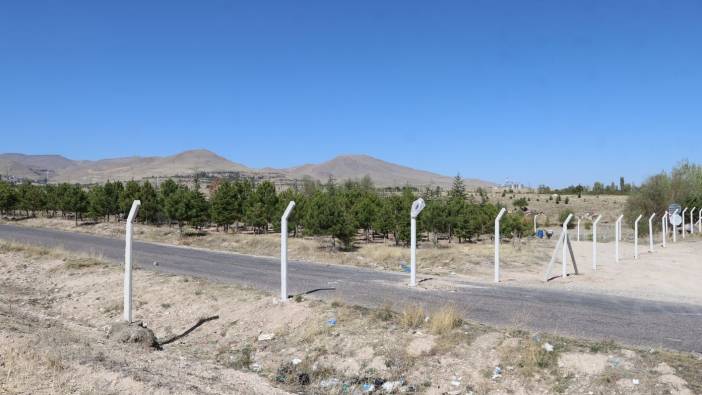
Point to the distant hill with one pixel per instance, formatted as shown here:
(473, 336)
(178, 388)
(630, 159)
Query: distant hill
(185, 163)
(33, 167)
(382, 173)
(61, 169)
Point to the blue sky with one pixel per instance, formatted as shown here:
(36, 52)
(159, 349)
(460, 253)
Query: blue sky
(555, 92)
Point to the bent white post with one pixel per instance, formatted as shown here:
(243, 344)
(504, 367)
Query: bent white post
(417, 207)
(128, 261)
(699, 222)
(284, 252)
(536, 215)
(675, 227)
(636, 236)
(565, 249)
(617, 236)
(692, 220)
(650, 232)
(497, 244)
(594, 241)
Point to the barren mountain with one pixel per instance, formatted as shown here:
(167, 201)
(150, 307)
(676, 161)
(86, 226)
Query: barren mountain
(185, 163)
(33, 167)
(382, 173)
(60, 169)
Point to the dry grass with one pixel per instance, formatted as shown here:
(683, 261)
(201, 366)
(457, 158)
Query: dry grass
(444, 320)
(687, 366)
(32, 250)
(313, 331)
(72, 260)
(529, 356)
(82, 263)
(413, 316)
(384, 313)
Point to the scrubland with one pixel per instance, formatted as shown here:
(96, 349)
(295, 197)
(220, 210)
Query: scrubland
(57, 308)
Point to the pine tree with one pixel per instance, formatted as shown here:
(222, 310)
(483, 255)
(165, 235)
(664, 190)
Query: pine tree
(52, 200)
(262, 206)
(113, 193)
(434, 219)
(132, 190)
(97, 202)
(198, 209)
(242, 195)
(8, 197)
(75, 200)
(177, 207)
(223, 205)
(458, 189)
(150, 204)
(364, 212)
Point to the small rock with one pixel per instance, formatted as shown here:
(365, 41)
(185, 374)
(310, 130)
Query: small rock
(265, 337)
(133, 333)
(155, 263)
(296, 361)
(548, 347)
(497, 373)
(255, 367)
(635, 381)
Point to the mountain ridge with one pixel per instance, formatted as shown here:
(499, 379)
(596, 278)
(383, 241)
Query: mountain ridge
(342, 167)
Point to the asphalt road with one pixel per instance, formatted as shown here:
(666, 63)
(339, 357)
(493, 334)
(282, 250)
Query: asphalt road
(626, 320)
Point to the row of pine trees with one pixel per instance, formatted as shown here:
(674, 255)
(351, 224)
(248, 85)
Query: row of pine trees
(347, 212)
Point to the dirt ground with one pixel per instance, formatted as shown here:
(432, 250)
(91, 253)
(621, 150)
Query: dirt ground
(56, 309)
(667, 274)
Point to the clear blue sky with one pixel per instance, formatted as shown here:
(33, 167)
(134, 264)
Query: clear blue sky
(545, 86)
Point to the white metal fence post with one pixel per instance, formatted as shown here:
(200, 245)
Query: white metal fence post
(497, 244)
(417, 207)
(675, 227)
(284, 251)
(594, 242)
(699, 222)
(128, 261)
(650, 232)
(636, 236)
(565, 246)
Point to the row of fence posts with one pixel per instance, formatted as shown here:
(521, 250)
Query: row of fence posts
(417, 207)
